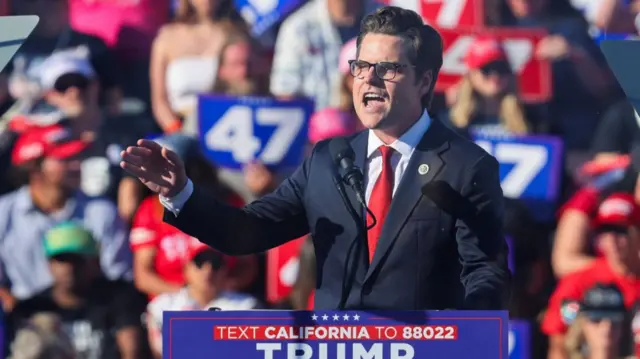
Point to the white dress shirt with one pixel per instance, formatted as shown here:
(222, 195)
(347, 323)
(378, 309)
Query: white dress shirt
(403, 146)
(403, 149)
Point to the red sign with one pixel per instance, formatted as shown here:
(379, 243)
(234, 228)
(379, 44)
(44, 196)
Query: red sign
(534, 76)
(450, 14)
(282, 269)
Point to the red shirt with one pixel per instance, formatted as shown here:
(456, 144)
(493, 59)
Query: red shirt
(563, 303)
(172, 246)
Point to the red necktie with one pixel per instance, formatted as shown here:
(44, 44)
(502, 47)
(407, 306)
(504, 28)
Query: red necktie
(380, 199)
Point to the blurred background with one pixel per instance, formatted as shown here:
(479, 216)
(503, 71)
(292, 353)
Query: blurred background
(241, 90)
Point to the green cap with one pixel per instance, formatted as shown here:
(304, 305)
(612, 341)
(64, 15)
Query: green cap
(69, 238)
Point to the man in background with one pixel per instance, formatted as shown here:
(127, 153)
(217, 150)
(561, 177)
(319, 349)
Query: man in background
(206, 273)
(69, 83)
(47, 164)
(618, 235)
(101, 317)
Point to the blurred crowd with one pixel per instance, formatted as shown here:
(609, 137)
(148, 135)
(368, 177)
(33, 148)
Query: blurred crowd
(86, 264)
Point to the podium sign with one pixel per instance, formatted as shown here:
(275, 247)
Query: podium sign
(336, 335)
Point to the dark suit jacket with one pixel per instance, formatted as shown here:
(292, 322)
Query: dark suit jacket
(427, 257)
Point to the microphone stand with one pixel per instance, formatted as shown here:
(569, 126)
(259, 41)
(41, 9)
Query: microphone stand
(347, 284)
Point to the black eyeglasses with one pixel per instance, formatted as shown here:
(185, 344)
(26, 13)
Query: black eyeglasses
(384, 70)
(496, 67)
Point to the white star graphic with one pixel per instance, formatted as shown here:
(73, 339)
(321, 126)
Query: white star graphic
(336, 317)
(325, 317)
(356, 317)
(314, 317)
(345, 317)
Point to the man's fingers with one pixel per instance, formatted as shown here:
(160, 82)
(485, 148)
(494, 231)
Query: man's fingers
(171, 156)
(144, 175)
(152, 145)
(139, 151)
(131, 158)
(134, 170)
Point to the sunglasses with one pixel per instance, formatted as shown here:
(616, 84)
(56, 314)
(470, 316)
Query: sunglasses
(496, 67)
(68, 81)
(208, 257)
(71, 258)
(612, 228)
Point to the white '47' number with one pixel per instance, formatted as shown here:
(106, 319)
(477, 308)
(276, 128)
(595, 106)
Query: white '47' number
(234, 133)
(450, 12)
(528, 160)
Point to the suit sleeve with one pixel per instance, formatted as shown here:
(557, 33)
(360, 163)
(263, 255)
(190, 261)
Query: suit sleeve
(482, 247)
(264, 224)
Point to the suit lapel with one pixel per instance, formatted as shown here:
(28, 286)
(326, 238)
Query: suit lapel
(433, 143)
(359, 144)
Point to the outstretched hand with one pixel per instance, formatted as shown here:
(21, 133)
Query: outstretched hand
(158, 168)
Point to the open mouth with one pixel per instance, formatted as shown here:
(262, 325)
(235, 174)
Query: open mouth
(372, 99)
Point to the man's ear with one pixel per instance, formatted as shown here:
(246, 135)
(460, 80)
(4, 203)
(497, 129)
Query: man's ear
(427, 82)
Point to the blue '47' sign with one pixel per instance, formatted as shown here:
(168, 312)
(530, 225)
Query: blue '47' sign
(530, 166)
(237, 130)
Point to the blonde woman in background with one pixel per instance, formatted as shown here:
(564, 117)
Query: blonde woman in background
(184, 60)
(487, 96)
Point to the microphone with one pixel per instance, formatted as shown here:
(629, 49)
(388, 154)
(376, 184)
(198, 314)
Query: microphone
(343, 156)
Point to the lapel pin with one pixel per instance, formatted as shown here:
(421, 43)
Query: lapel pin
(423, 169)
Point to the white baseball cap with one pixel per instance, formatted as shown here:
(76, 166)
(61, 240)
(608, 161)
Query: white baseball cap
(59, 64)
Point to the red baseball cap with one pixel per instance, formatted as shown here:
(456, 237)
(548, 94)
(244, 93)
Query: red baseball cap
(51, 141)
(619, 209)
(482, 51)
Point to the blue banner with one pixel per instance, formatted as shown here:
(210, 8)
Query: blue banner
(237, 130)
(336, 335)
(530, 166)
(519, 340)
(264, 14)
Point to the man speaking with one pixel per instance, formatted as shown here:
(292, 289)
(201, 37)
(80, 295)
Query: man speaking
(405, 215)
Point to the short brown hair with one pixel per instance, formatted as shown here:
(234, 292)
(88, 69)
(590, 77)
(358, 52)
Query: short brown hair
(425, 43)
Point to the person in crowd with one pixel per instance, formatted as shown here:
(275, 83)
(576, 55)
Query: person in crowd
(348, 52)
(617, 226)
(128, 29)
(308, 48)
(582, 83)
(205, 273)
(241, 72)
(598, 330)
(69, 84)
(160, 250)
(488, 94)
(329, 123)
(184, 60)
(617, 132)
(42, 337)
(102, 317)
(302, 294)
(47, 163)
(572, 249)
(55, 34)
(240, 68)
(610, 16)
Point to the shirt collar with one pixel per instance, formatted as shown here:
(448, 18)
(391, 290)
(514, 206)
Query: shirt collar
(407, 142)
(24, 202)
